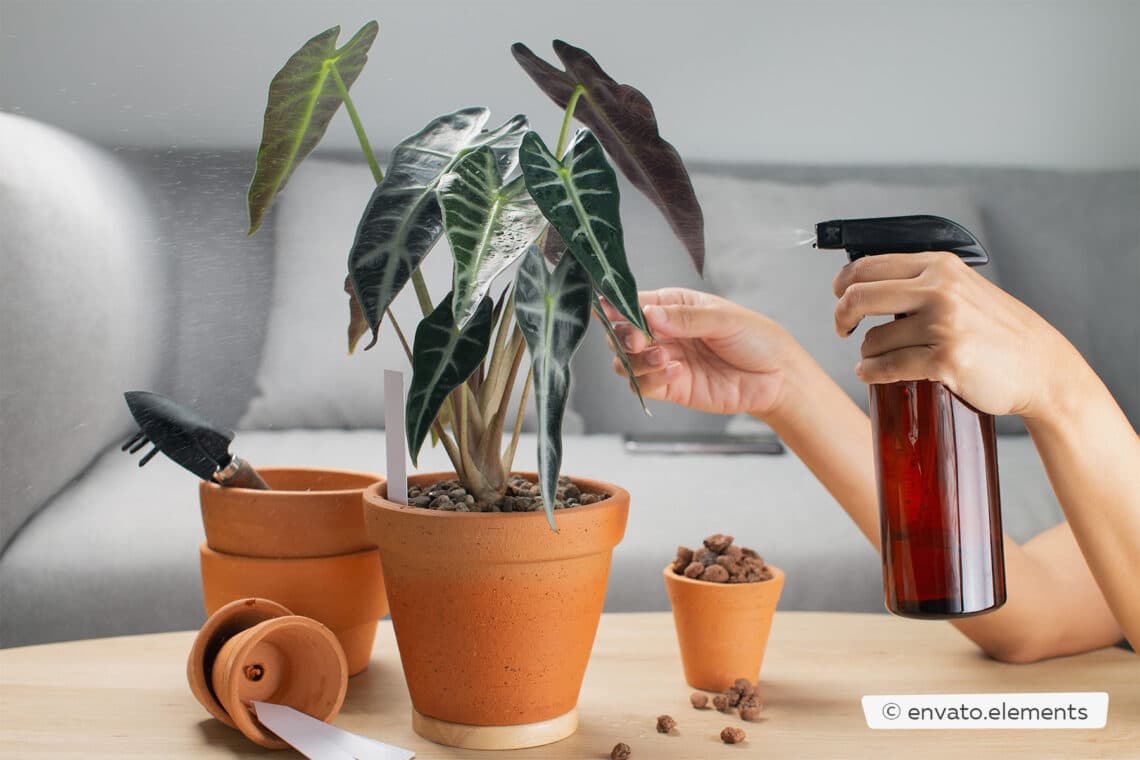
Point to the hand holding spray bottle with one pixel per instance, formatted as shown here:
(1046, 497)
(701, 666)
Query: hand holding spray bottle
(935, 456)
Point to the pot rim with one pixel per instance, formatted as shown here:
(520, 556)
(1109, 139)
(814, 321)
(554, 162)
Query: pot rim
(373, 477)
(777, 574)
(205, 548)
(372, 498)
(245, 720)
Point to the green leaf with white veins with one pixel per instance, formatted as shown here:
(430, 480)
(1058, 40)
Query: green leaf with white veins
(443, 356)
(303, 97)
(619, 351)
(403, 219)
(579, 196)
(488, 224)
(553, 311)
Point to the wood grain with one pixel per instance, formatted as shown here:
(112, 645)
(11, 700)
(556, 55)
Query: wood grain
(128, 697)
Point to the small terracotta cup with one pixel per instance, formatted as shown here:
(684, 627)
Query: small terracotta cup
(722, 627)
(256, 650)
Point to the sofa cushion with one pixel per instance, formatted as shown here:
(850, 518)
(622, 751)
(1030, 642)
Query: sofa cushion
(117, 551)
(82, 308)
(307, 378)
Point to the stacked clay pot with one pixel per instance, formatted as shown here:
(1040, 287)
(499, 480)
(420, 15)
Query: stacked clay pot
(301, 544)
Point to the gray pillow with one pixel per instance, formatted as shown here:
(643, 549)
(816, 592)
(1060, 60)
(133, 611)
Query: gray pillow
(307, 379)
(759, 236)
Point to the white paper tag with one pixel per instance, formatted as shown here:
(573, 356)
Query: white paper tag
(318, 740)
(395, 437)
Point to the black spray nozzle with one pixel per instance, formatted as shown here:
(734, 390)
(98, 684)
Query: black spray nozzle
(900, 234)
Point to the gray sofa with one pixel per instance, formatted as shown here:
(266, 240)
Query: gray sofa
(124, 268)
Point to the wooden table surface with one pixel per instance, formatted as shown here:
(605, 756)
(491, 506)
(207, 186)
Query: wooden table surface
(127, 697)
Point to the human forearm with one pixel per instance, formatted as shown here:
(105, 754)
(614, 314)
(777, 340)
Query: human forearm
(1046, 579)
(1092, 456)
(831, 435)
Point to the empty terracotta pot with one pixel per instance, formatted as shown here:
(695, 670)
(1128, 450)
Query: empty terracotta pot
(302, 543)
(494, 613)
(309, 512)
(255, 650)
(344, 592)
(722, 628)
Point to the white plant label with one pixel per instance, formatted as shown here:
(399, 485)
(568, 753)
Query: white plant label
(318, 740)
(395, 437)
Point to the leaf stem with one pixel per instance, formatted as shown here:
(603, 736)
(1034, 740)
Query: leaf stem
(564, 134)
(461, 424)
(491, 394)
(422, 295)
(509, 455)
(448, 445)
(365, 146)
(400, 335)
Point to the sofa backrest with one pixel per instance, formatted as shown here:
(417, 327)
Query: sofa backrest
(1062, 241)
(167, 292)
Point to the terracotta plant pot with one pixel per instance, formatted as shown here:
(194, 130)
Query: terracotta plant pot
(344, 592)
(722, 627)
(494, 613)
(302, 545)
(309, 512)
(255, 650)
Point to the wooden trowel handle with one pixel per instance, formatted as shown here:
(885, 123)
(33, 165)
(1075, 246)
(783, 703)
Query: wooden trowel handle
(244, 476)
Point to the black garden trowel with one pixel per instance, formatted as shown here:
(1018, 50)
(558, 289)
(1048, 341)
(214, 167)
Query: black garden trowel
(189, 439)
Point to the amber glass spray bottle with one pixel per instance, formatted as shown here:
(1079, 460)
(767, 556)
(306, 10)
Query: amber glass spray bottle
(935, 457)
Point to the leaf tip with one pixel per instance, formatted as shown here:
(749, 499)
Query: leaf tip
(256, 216)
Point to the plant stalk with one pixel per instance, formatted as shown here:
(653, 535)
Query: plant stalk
(461, 433)
(422, 294)
(564, 133)
(490, 395)
(365, 146)
(509, 454)
(400, 334)
(453, 453)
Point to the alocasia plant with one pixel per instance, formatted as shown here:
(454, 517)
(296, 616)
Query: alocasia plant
(501, 197)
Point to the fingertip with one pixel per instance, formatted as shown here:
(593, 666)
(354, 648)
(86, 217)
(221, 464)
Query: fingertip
(839, 283)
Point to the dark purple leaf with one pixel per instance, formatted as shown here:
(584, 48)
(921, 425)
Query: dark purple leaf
(623, 119)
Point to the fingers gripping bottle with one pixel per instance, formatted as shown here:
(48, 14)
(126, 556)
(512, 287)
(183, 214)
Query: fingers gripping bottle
(935, 457)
